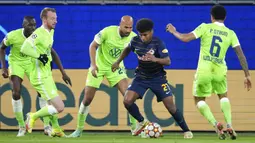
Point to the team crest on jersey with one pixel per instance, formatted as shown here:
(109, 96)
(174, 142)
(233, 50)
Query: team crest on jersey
(34, 36)
(151, 52)
(115, 52)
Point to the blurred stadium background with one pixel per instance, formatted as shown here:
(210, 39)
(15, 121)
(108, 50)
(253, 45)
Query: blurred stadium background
(80, 20)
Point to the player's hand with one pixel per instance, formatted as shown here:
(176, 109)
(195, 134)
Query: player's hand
(170, 28)
(247, 83)
(5, 73)
(67, 79)
(94, 70)
(115, 66)
(148, 57)
(43, 58)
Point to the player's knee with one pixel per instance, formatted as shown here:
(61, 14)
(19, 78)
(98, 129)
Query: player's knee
(60, 107)
(201, 104)
(87, 101)
(127, 102)
(16, 94)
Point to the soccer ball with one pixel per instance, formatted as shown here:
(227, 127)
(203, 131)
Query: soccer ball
(152, 130)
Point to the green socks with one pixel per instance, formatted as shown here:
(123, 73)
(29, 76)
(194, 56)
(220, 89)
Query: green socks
(132, 121)
(17, 109)
(226, 109)
(82, 114)
(206, 112)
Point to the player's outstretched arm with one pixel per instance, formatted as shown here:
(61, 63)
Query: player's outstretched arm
(58, 62)
(123, 55)
(181, 36)
(5, 73)
(244, 64)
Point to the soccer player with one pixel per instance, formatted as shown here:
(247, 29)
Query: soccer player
(211, 75)
(150, 74)
(19, 65)
(110, 42)
(39, 47)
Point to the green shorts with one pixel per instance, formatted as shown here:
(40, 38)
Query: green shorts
(206, 83)
(112, 77)
(47, 88)
(20, 70)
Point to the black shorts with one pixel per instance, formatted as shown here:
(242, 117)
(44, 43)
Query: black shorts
(159, 86)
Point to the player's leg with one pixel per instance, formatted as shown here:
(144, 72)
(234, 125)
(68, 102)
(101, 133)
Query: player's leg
(48, 92)
(46, 119)
(16, 78)
(161, 89)
(220, 88)
(92, 84)
(136, 90)
(202, 88)
(42, 103)
(119, 80)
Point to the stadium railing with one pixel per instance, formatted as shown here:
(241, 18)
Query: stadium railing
(127, 1)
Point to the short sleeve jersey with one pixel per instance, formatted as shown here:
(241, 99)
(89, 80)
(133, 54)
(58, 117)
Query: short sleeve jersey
(111, 45)
(15, 39)
(216, 38)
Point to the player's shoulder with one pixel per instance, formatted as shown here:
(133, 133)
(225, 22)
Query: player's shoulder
(15, 32)
(111, 28)
(135, 39)
(156, 40)
(204, 25)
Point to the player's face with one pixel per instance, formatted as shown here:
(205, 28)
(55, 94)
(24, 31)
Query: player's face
(29, 26)
(146, 36)
(51, 20)
(125, 29)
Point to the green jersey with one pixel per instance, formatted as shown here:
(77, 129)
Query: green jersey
(40, 42)
(215, 41)
(111, 46)
(15, 39)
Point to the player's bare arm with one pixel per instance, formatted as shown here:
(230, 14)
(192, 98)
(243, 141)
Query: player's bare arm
(244, 64)
(5, 73)
(58, 62)
(163, 61)
(92, 53)
(181, 36)
(123, 55)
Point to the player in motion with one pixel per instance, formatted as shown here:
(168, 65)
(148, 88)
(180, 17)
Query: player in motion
(110, 42)
(19, 65)
(152, 57)
(212, 69)
(39, 47)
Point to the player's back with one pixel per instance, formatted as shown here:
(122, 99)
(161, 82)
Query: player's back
(15, 39)
(216, 38)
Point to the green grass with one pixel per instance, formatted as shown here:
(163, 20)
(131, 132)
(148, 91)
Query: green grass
(113, 137)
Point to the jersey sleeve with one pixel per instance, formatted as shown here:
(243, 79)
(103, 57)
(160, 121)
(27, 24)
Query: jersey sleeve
(29, 46)
(8, 39)
(101, 36)
(234, 40)
(163, 52)
(200, 30)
